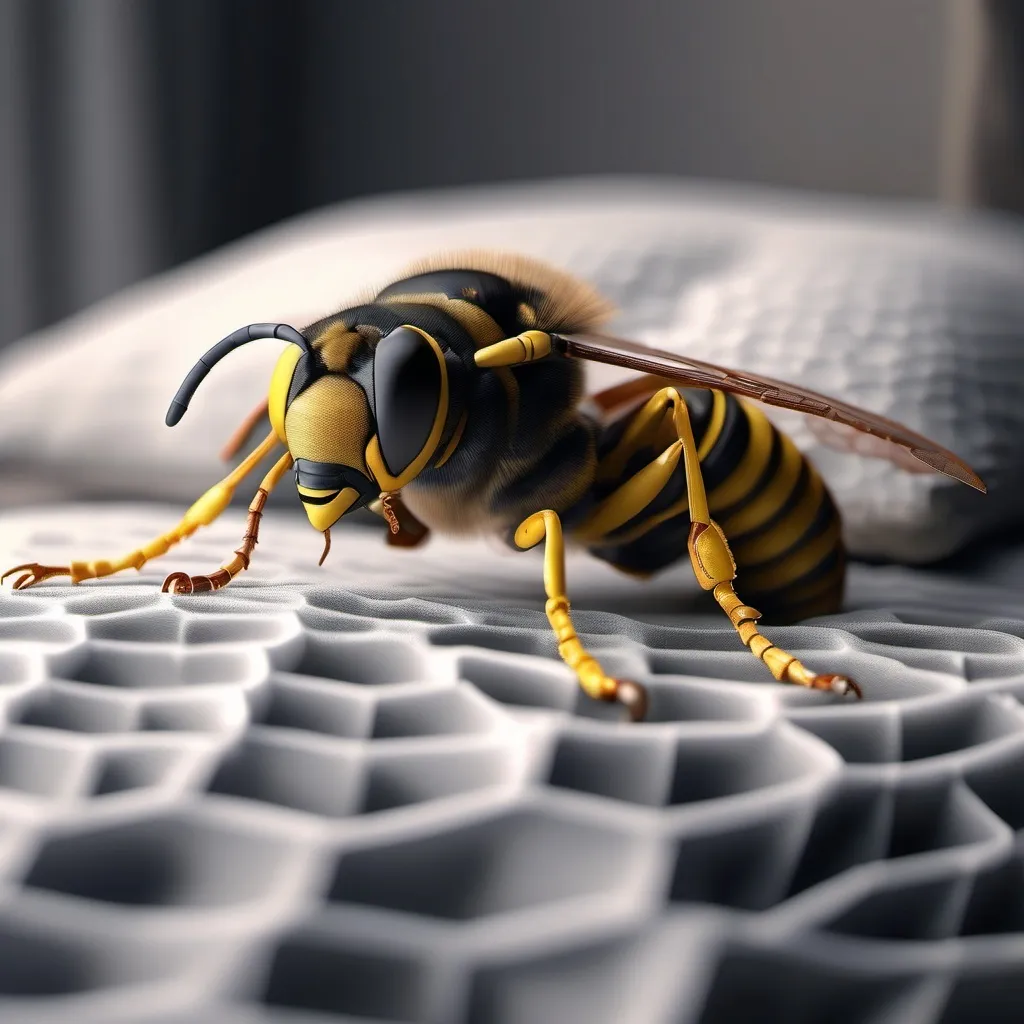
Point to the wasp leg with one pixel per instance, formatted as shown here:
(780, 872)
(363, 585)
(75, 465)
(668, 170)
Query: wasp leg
(202, 513)
(547, 526)
(715, 568)
(182, 583)
(245, 428)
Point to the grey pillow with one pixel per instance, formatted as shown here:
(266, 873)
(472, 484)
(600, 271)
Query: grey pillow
(908, 312)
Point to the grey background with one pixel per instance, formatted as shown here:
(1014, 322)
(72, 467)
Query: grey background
(134, 135)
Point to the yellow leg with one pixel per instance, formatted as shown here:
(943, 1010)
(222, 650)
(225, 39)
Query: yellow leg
(182, 583)
(202, 513)
(546, 526)
(715, 568)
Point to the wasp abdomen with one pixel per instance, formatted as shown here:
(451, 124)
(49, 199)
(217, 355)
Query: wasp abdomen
(781, 521)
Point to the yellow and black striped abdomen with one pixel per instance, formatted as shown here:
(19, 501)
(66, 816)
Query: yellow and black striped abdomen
(781, 522)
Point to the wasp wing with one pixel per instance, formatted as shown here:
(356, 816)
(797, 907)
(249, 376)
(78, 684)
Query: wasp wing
(695, 373)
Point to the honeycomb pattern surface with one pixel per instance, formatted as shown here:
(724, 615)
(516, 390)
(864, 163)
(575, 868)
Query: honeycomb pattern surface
(371, 792)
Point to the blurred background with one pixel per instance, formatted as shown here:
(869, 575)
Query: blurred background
(135, 134)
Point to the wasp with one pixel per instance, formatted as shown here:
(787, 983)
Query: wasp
(452, 400)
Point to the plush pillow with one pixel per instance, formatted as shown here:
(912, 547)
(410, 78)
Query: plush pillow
(911, 313)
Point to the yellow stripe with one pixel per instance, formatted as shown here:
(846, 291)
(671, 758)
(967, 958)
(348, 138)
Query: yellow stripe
(476, 322)
(773, 497)
(642, 431)
(454, 442)
(739, 483)
(632, 497)
(715, 426)
(799, 564)
(785, 533)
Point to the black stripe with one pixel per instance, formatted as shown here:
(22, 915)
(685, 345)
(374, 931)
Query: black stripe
(803, 481)
(700, 403)
(661, 546)
(766, 477)
(729, 448)
(823, 518)
(767, 599)
(491, 293)
(324, 499)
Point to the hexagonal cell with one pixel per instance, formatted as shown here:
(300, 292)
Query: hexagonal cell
(373, 661)
(18, 666)
(520, 682)
(73, 707)
(999, 782)
(172, 860)
(54, 631)
(313, 973)
(108, 601)
(712, 766)
(291, 772)
(220, 711)
(45, 767)
(522, 858)
(860, 734)
(127, 768)
(905, 911)
(411, 609)
(633, 767)
(43, 962)
(313, 705)
(451, 711)
(400, 779)
(511, 639)
(996, 905)
(993, 994)
(691, 701)
(935, 729)
(745, 864)
(209, 628)
(735, 664)
(18, 606)
(851, 826)
(114, 663)
(931, 815)
(138, 625)
(763, 986)
(593, 984)
(939, 639)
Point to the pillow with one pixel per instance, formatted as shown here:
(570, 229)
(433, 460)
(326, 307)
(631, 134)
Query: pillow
(912, 313)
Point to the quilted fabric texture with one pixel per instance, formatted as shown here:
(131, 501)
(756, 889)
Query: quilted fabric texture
(903, 311)
(372, 792)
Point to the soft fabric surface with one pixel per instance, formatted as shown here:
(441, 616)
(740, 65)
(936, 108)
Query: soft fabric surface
(371, 790)
(909, 313)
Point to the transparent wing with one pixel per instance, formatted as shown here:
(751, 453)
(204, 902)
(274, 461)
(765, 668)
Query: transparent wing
(694, 373)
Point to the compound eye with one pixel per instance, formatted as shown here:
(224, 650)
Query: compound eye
(407, 388)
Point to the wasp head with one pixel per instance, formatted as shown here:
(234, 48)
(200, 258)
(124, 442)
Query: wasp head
(361, 416)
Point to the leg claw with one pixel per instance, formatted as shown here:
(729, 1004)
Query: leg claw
(33, 572)
(837, 684)
(182, 583)
(633, 697)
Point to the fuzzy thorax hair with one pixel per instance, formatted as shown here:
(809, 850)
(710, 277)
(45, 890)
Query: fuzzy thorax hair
(562, 303)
